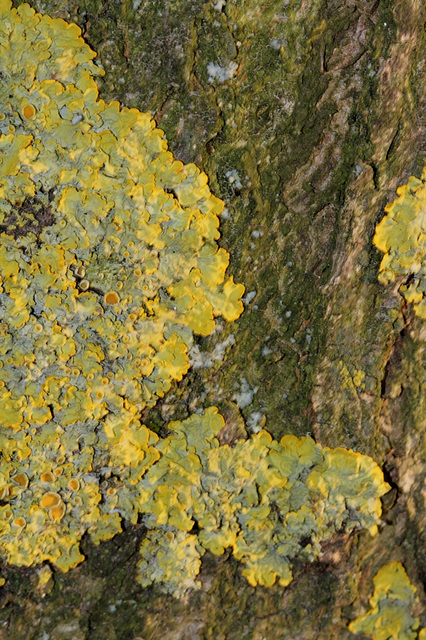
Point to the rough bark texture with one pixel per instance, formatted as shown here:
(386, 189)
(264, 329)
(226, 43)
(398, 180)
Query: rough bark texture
(322, 120)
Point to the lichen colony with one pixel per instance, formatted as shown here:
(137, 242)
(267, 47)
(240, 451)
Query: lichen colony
(108, 266)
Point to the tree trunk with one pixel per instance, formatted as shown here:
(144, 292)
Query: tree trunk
(306, 116)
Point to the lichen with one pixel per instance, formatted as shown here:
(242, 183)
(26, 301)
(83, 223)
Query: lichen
(391, 614)
(268, 501)
(401, 236)
(108, 266)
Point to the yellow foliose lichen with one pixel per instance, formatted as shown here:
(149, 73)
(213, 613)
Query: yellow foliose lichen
(401, 236)
(269, 502)
(390, 616)
(172, 558)
(108, 265)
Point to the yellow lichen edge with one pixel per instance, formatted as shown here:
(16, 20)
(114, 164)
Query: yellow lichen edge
(401, 236)
(390, 616)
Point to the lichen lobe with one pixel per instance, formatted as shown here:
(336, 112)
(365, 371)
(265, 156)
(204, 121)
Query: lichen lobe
(391, 614)
(401, 236)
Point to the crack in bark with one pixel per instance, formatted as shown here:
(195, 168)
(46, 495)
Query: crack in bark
(394, 351)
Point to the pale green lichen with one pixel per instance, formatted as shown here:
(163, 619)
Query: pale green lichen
(108, 265)
(401, 236)
(391, 614)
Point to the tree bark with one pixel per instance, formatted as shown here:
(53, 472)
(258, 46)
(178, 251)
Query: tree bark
(306, 116)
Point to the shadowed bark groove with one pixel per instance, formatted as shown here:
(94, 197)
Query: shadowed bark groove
(319, 121)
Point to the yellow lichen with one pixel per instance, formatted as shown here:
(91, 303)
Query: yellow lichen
(390, 616)
(101, 230)
(354, 381)
(44, 576)
(108, 265)
(401, 236)
(268, 501)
